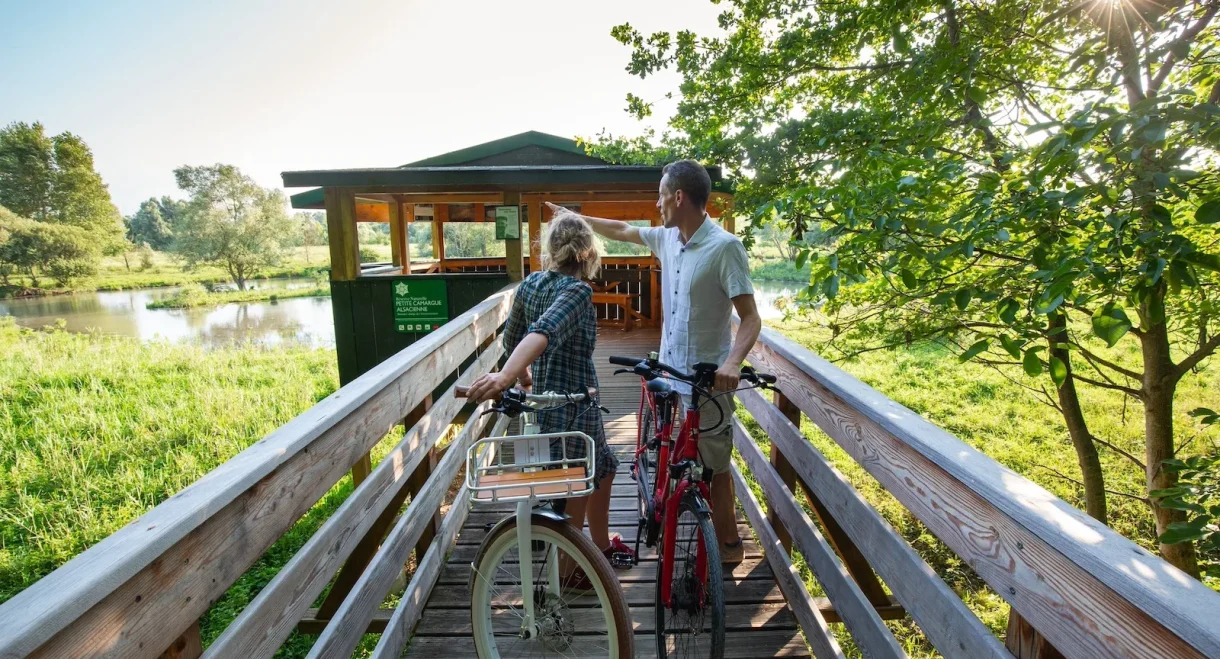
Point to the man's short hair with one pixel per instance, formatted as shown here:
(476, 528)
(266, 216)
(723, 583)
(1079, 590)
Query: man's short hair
(691, 178)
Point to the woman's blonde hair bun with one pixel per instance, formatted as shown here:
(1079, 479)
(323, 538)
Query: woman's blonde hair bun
(571, 246)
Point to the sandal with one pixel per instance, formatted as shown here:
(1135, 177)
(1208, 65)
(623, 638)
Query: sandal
(621, 556)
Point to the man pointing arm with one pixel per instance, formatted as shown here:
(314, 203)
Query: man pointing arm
(705, 277)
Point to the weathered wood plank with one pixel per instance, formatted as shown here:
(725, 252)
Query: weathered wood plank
(940, 613)
(762, 644)
(427, 572)
(637, 593)
(867, 628)
(163, 570)
(456, 574)
(270, 618)
(343, 633)
(1090, 591)
(813, 623)
(737, 618)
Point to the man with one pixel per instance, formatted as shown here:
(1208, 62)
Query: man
(705, 276)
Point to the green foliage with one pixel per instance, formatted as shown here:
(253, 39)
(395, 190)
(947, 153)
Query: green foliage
(36, 249)
(195, 295)
(1197, 493)
(230, 221)
(980, 171)
(154, 223)
(52, 179)
(369, 255)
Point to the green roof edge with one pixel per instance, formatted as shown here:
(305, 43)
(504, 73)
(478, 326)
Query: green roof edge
(314, 198)
(502, 145)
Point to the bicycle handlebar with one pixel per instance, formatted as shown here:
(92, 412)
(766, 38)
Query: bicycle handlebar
(747, 373)
(548, 398)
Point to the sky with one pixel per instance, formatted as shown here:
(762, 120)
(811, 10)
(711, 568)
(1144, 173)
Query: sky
(276, 85)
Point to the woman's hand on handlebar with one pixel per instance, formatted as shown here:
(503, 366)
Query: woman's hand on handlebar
(489, 386)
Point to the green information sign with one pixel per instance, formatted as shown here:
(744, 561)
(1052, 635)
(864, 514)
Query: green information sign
(508, 223)
(420, 305)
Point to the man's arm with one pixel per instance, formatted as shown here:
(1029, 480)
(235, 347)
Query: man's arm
(729, 374)
(612, 229)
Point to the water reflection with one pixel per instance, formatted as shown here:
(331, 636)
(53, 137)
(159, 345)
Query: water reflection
(296, 321)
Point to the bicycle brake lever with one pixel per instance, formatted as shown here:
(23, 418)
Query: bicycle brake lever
(623, 370)
(604, 409)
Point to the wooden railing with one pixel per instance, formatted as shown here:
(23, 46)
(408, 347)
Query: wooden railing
(1075, 586)
(141, 591)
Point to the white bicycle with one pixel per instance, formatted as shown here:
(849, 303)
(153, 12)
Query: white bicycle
(567, 603)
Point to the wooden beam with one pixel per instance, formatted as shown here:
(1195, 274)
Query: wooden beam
(407, 213)
(1036, 551)
(867, 628)
(807, 611)
(372, 212)
(187, 646)
(341, 227)
(783, 469)
(535, 220)
(162, 571)
(579, 197)
(514, 262)
(396, 233)
(619, 210)
(440, 215)
(947, 622)
(436, 197)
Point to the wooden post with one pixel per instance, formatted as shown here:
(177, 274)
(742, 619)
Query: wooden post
(368, 545)
(187, 646)
(396, 231)
(440, 214)
(535, 220)
(341, 225)
(783, 469)
(855, 562)
(514, 264)
(1024, 642)
(407, 213)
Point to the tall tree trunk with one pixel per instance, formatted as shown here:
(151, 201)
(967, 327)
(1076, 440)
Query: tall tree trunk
(1091, 474)
(1160, 383)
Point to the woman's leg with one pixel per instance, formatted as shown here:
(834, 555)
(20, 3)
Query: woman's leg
(598, 512)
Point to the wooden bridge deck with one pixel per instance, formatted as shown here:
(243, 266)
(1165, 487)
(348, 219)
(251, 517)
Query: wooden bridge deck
(759, 622)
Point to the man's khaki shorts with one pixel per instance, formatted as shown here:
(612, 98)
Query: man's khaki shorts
(716, 445)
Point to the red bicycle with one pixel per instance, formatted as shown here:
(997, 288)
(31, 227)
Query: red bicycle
(675, 511)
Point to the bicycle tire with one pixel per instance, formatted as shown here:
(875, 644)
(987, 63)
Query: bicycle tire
(676, 637)
(488, 561)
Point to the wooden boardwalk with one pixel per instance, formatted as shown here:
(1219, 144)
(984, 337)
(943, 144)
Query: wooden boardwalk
(759, 622)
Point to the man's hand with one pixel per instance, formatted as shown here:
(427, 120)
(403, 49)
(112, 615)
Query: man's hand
(727, 377)
(489, 386)
(556, 209)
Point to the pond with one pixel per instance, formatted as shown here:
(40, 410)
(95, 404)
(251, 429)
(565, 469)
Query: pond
(295, 321)
(302, 321)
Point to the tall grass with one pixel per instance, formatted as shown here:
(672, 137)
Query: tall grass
(96, 430)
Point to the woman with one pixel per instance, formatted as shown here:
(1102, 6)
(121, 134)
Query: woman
(553, 327)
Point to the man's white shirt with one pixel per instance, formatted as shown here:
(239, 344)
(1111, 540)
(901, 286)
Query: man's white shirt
(699, 279)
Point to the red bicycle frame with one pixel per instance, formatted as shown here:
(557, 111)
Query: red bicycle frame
(665, 502)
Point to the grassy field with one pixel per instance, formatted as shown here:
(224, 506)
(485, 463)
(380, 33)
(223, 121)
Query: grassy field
(114, 274)
(195, 295)
(995, 415)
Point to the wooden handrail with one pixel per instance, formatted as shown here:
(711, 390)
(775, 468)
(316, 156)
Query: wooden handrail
(1088, 590)
(162, 571)
(942, 616)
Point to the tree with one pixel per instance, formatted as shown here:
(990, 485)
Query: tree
(154, 223)
(313, 231)
(1033, 180)
(52, 179)
(230, 221)
(36, 249)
